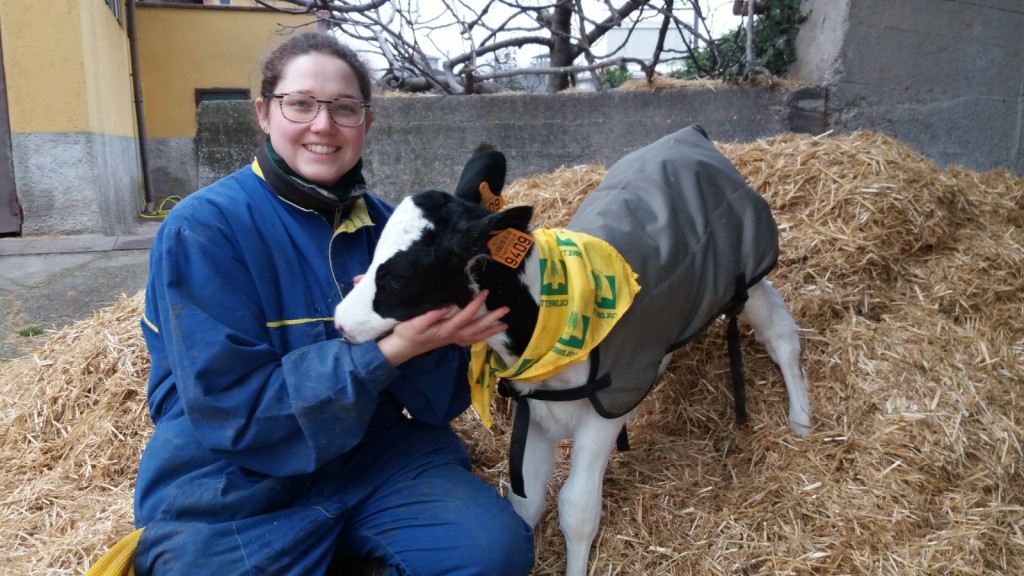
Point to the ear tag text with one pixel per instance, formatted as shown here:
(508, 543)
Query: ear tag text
(509, 247)
(489, 200)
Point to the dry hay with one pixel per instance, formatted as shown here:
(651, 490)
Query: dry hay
(669, 83)
(907, 281)
(75, 423)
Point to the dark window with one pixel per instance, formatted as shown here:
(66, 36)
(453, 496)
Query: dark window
(115, 8)
(216, 94)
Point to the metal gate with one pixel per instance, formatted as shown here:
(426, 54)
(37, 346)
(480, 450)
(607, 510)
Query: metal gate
(10, 210)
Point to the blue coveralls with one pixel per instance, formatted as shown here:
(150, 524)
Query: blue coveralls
(275, 440)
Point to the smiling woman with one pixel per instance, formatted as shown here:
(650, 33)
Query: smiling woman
(318, 147)
(280, 448)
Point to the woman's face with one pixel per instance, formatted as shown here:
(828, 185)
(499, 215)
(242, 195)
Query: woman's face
(320, 151)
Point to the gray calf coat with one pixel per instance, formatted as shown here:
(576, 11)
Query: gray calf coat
(696, 234)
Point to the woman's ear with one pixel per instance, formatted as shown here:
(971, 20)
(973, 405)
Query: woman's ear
(261, 115)
(367, 121)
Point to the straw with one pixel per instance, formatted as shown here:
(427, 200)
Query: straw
(906, 279)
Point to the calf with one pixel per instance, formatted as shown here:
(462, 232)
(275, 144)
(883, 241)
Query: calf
(672, 239)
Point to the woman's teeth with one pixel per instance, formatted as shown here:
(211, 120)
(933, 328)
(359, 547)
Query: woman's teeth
(316, 148)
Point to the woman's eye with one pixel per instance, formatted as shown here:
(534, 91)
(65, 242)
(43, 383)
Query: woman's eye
(344, 108)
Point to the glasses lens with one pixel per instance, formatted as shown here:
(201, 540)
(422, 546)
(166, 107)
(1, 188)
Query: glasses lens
(298, 108)
(346, 112)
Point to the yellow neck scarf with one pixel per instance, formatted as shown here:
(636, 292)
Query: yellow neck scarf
(586, 286)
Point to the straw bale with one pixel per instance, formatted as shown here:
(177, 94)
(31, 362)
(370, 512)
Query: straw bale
(906, 279)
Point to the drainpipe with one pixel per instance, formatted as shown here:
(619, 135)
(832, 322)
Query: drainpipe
(140, 113)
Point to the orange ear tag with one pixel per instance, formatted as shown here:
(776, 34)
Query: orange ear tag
(489, 200)
(509, 247)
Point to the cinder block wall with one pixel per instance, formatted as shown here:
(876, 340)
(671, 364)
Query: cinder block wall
(418, 143)
(943, 76)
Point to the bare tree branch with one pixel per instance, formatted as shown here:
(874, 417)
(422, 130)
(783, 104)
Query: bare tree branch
(405, 34)
(309, 6)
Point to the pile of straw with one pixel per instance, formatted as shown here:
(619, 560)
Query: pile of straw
(907, 280)
(75, 422)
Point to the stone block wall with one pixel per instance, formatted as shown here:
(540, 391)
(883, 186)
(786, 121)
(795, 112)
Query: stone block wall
(417, 143)
(943, 76)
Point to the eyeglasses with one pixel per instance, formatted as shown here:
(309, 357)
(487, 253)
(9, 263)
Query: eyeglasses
(304, 109)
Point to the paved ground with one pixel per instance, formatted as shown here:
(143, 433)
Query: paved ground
(50, 282)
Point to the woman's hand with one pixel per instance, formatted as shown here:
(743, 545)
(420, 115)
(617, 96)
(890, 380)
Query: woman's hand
(433, 330)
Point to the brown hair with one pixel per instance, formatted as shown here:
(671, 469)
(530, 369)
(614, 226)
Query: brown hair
(308, 43)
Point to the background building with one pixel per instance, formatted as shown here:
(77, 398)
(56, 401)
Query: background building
(70, 154)
(75, 109)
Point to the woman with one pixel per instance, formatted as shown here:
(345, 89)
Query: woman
(279, 448)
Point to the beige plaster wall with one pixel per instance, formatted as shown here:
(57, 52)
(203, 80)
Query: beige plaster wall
(183, 48)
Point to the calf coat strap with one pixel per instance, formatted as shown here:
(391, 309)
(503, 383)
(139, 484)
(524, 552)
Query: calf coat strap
(736, 370)
(735, 354)
(586, 288)
(517, 444)
(521, 422)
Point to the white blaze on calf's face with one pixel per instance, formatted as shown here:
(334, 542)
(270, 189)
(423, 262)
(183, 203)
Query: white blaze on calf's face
(355, 316)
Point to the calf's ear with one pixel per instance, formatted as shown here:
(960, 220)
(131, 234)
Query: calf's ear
(481, 231)
(483, 179)
(517, 217)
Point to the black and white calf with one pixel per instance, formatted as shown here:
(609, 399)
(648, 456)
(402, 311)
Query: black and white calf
(699, 241)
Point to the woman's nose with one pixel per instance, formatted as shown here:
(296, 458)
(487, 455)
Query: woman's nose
(323, 122)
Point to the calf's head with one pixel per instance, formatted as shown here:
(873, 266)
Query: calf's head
(423, 262)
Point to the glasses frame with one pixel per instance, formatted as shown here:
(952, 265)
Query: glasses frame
(363, 107)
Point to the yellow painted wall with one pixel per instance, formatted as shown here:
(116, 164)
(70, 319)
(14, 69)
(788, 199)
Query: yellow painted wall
(184, 48)
(108, 65)
(43, 62)
(67, 67)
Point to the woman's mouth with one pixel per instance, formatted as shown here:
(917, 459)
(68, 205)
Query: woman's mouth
(319, 149)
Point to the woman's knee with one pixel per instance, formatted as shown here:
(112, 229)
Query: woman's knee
(502, 545)
(519, 555)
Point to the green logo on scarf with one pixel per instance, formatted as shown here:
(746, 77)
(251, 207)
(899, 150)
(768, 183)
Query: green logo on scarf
(553, 278)
(575, 331)
(572, 320)
(605, 294)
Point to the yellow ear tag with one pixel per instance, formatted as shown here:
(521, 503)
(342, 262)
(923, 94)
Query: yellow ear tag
(509, 247)
(489, 200)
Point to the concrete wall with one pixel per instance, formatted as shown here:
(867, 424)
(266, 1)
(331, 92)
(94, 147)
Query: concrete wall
(944, 76)
(420, 143)
(68, 81)
(173, 167)
(78, 183)
(226, 137)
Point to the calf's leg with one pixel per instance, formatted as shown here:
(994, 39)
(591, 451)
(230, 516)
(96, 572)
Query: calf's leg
(579, 502)
(538, 460)
(775, 328)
